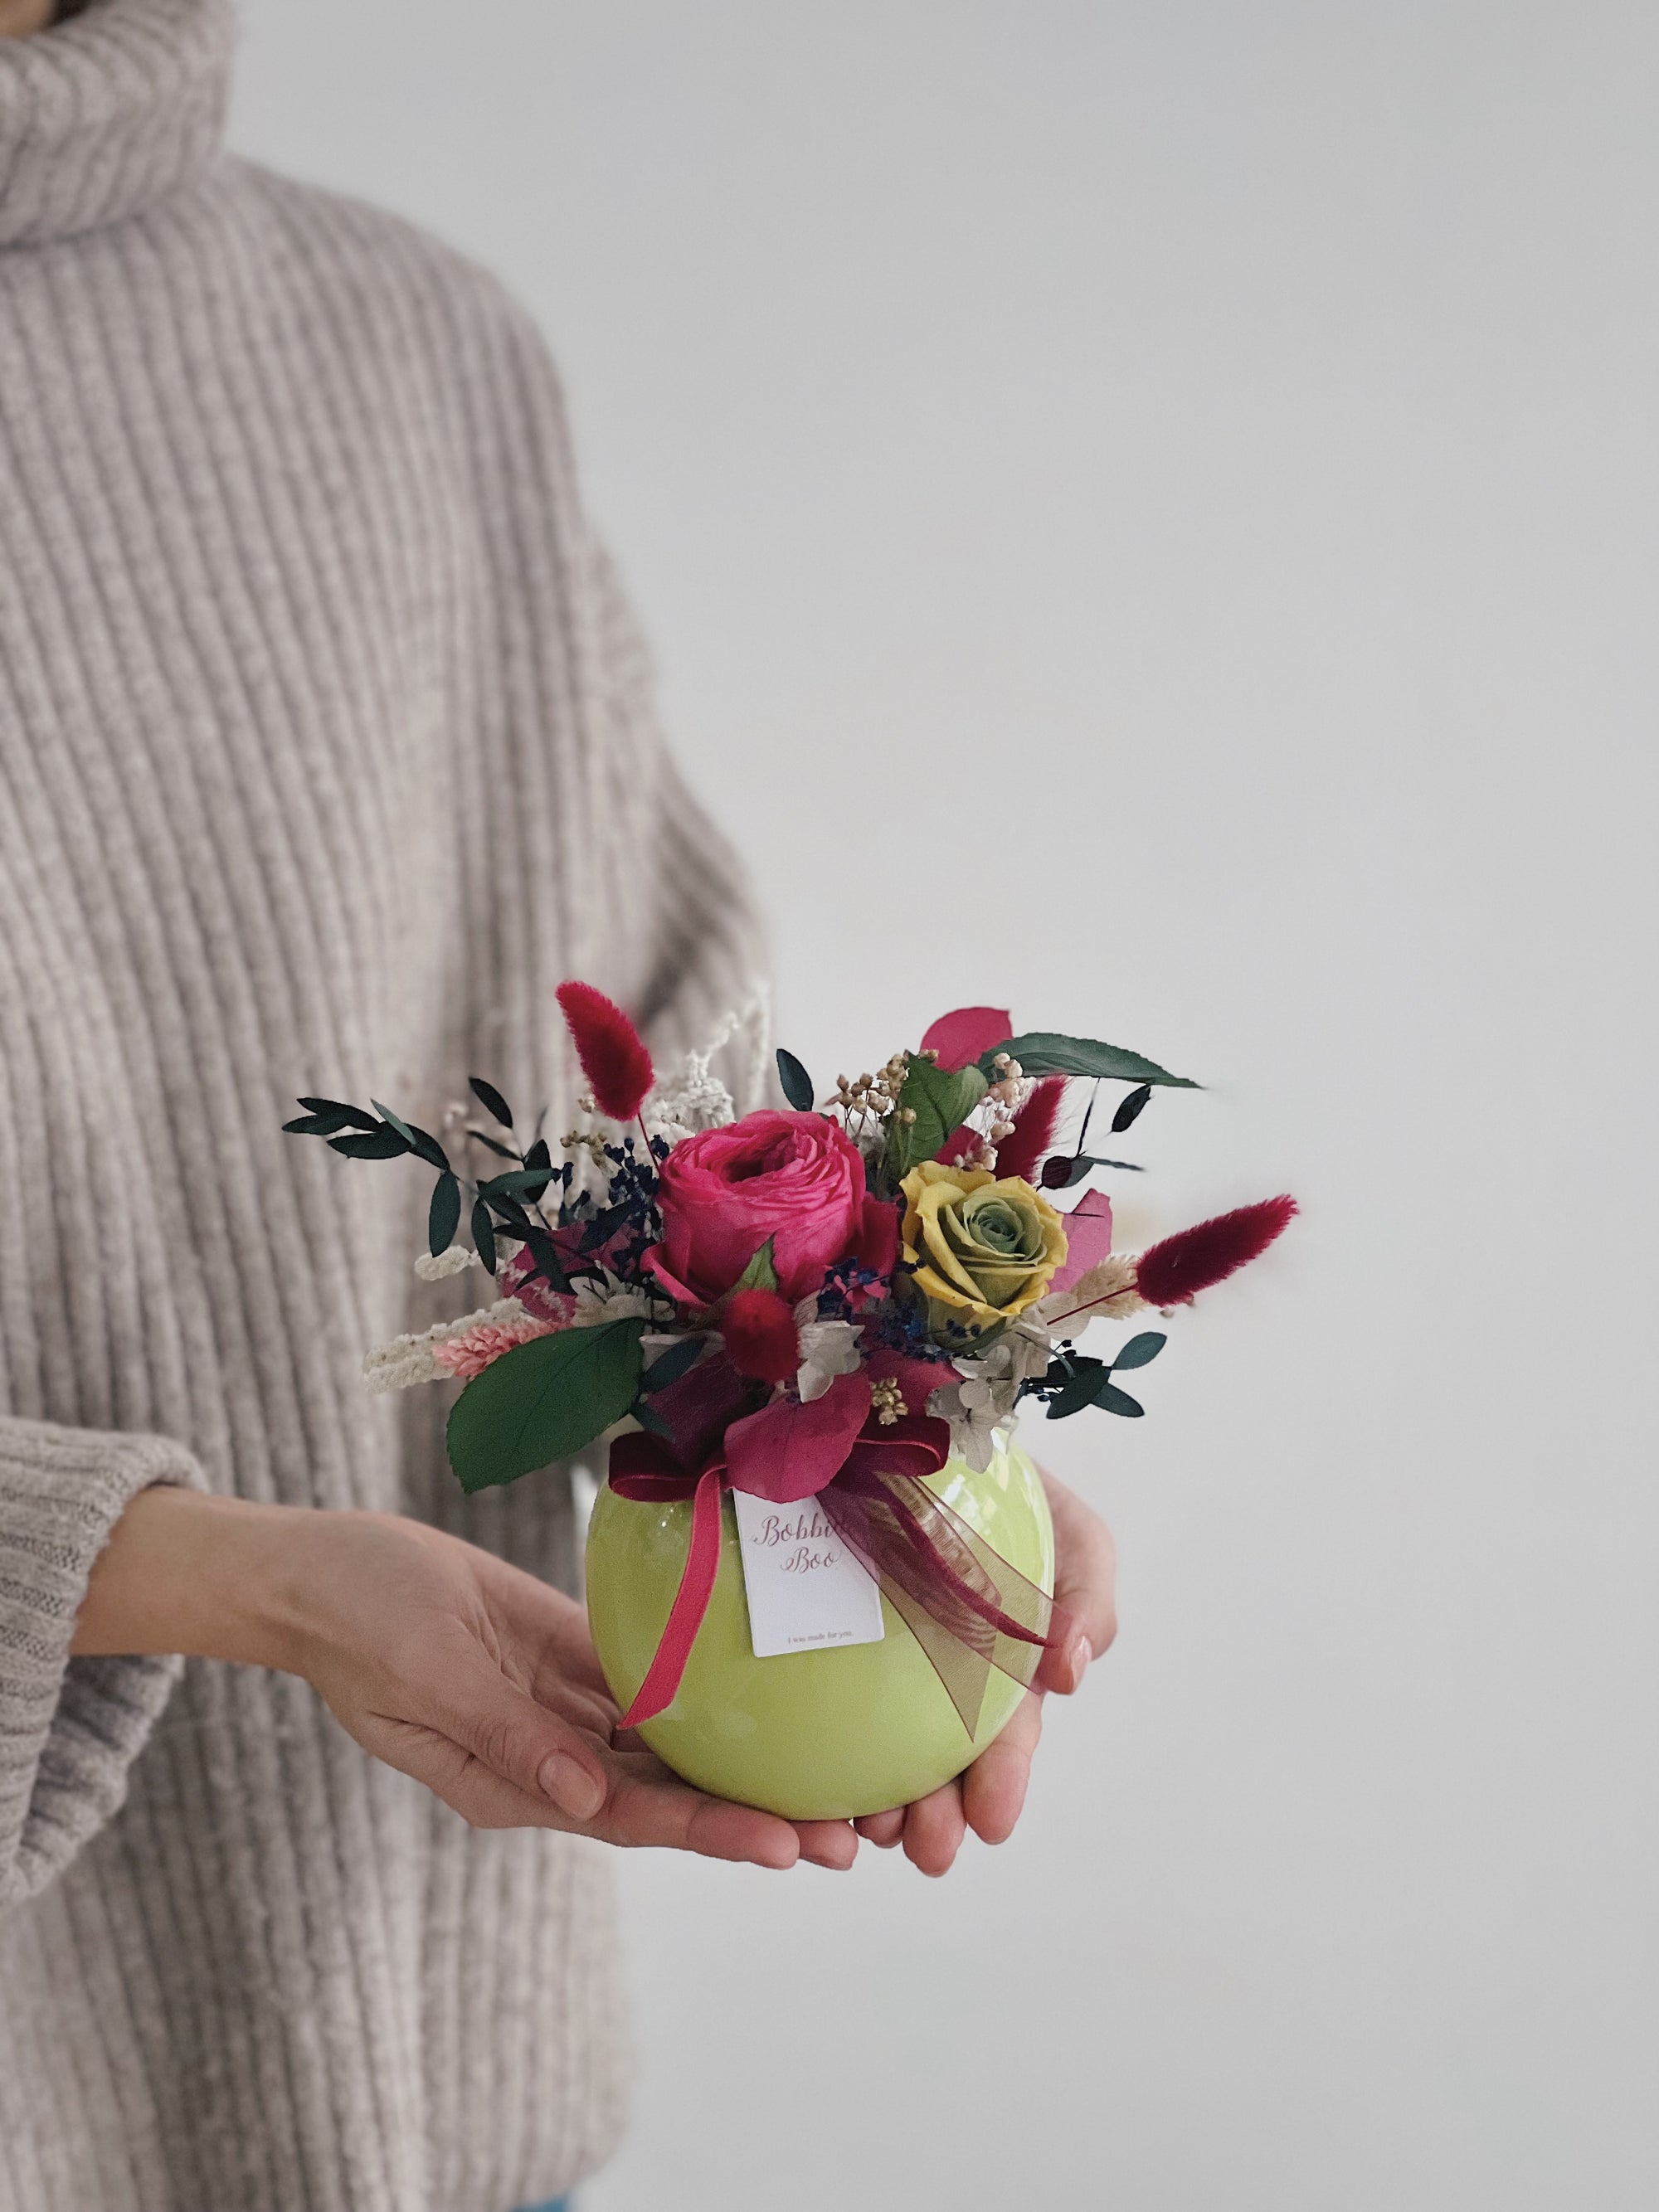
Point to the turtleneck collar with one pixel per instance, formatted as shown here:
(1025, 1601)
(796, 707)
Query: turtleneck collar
(109, 112)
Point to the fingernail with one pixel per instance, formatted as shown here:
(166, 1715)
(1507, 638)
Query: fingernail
(571, 1787)
(1082, 1652)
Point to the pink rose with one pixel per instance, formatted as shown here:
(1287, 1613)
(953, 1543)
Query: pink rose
(791, 1177)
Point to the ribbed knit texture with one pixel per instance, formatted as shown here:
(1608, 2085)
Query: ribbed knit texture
(325, 752)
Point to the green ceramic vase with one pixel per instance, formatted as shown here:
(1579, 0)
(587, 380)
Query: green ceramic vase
(826, 1735)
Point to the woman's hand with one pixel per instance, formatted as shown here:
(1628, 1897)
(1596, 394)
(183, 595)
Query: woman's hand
(988, 1796)
(440, 1659)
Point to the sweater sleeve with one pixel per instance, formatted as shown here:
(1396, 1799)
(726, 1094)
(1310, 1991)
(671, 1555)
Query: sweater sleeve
(70, 1727)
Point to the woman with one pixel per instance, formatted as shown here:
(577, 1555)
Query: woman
(325, 752)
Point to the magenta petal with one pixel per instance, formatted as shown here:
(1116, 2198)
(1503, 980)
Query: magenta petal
(697, 1407)
(656, 1260)
(1088, 1238)
(917, 1378)
(966, 1034)
(789, 1450)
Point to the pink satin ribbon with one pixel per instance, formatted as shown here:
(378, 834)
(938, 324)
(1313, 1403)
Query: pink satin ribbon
(968, 1607)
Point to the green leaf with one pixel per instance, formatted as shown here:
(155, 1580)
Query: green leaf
(668, 1366)
(1081, 1387)
(1129, 1108)
(1042, 1053)
(420, 1142)
(491, 1100)
(544, 1401)
(353, 1116)
(545, 1254)
(501, 1151)
(1119, 1402)
(760, 1274)
(444, 1218)
(539, 1157)
(316, 1125)
(484, 1236)
(381, 1144)
(1060, 1174)
(1141, 1350)
(531, 1179)
(652, 1422)
(797, 1083)
(941, 1101)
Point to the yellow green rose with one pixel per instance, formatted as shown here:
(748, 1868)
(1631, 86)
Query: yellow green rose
(982, 1250)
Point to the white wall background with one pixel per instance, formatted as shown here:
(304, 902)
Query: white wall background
(1148, 514)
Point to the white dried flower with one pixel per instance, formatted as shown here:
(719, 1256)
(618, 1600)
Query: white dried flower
(1104, 1292)
(435, 1266)
(828, 1348)
(604, 1298)
(977, 1409)
(408, 1359)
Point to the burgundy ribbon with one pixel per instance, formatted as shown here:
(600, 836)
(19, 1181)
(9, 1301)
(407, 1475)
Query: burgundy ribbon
(967, 1606)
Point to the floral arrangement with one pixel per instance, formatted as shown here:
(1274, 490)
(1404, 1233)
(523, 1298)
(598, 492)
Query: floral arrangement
(826, 1300)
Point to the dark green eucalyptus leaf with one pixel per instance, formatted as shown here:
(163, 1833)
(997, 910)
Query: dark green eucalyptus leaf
(1081, 1388)
(797, 1083)
(539, 1157)
(377, 1143)
(544, 1401)
(1043, 1053)
(420, 1142)
(1141, 1350)
(354, 1117)
(668, 1366)
(652, 1421)
(316, 1125)
(1128, 1109)
(545, 1254)
(491, 1100)
(510, 1216)
(1119, 1402)
(428, 1148)
(484, 1236)
(396, 1120)
(444, 1215)
(527, 1179)
(1060, 1174)
(941, 1099)
(760, 1274)
(501, 1151)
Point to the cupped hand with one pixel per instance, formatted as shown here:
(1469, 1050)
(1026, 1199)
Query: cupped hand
(988, 1798)
(482, 1682)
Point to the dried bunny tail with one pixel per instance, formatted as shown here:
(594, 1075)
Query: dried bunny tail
(411, 1359)
(1172, 1272)
(1021, 1151)
(613, 1055)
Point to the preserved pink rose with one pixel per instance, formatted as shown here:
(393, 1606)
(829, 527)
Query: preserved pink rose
(793, 1179)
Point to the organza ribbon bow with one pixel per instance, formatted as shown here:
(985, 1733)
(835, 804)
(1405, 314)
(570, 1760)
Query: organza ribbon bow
(967, 1606)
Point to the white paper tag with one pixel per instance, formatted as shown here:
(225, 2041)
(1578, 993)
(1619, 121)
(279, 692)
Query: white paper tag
(805, 1589)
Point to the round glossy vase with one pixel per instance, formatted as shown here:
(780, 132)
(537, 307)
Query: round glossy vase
(827, 1734)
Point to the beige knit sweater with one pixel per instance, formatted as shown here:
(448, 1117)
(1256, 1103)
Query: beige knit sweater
(324, 753)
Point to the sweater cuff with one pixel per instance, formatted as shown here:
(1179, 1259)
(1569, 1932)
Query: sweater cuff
(69, 1729)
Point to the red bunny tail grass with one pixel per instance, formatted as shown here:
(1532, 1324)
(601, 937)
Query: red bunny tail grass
(760, 1337)
(1173, 1272)
(1034, 1130)
(610, 1049)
